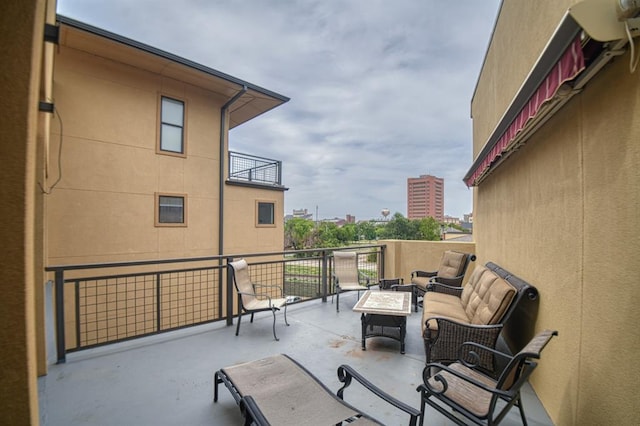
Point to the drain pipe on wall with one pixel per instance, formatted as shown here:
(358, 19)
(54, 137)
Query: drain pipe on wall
(223, 117)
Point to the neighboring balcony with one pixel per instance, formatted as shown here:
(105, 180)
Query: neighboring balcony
(252, 169)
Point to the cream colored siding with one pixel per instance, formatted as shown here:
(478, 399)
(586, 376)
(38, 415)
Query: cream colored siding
(561, 213)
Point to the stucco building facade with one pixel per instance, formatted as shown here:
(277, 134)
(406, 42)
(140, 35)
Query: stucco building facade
(557, 202)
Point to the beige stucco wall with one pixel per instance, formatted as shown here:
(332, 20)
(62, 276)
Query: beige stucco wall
(103, 208)
(21, 29)
(558, 213)
(242, 235)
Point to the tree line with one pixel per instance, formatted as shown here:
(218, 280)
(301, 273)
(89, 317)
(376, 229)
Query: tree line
(303, 234)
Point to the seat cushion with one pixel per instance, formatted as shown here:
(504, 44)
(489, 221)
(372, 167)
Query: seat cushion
(257, 304)
(441, 305)
(421, 282)
(464, 393)
(486, 297)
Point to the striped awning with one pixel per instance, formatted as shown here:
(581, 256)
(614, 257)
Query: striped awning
(568, 67)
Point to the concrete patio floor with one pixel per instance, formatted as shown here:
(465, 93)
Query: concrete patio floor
(168, 379)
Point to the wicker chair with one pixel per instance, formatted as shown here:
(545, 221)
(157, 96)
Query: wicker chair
(460, 389)
(347, 276)
(250, 300)
(451, 271)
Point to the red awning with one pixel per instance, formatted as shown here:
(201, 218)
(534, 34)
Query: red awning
(567, 68)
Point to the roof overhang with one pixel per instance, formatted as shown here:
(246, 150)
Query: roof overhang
(590, 20)
(254, 102)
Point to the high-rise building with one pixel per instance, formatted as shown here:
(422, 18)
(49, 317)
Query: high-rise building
(425, 197)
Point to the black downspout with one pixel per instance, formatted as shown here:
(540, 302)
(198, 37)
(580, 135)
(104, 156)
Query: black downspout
(223, 116)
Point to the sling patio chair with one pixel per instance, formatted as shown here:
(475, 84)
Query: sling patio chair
(451, 271)
(252, 298)
(461, 390)
(346, 275)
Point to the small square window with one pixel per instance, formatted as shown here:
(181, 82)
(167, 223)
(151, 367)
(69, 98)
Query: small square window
(265, 213)
(171, 210)
(172, 128)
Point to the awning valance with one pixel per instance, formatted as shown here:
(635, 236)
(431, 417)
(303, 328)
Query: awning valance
(568, 67)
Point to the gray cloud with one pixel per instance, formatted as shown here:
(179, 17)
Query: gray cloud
(380, 90)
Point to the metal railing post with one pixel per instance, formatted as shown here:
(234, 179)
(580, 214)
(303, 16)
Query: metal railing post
(382, 255)
(324, 275)
(60, 339)
(229, 294)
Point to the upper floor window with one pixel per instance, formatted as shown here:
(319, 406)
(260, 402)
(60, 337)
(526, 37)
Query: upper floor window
(265, 212)
(172, 128)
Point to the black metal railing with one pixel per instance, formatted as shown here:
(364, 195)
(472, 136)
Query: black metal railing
(250, 168)
(99, 304)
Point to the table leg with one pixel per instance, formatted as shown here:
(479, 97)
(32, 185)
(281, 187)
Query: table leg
(363, 320)
(403, 333)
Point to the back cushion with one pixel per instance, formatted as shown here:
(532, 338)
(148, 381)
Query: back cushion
(242, 278)
(451, 265)
(486, 297)
(346, 266)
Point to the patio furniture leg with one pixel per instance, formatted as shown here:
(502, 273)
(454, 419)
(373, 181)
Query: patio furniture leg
(273, 311)
(521, 408)
(216, 380)
(285, 315)
(238, 326)
(338, 300)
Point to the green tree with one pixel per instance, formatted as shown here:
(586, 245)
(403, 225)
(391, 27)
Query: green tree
(327, 235)
(366, 230)
(298, 233)
(429, 229)
(401, 228)
(347, 233)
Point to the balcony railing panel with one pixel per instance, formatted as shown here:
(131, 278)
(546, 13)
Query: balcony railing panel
(250, 168)
(136, 299)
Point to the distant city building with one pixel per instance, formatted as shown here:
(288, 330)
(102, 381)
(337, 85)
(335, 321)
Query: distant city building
(302, 213)
(468, 218)
(351, 219)
(425, 197)
(451, 219)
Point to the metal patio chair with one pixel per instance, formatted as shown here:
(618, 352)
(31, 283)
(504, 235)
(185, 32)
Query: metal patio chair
(250, 299)
(347, 276)
(460, 389)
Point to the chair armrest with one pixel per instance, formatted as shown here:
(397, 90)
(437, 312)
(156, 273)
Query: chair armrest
(427, 387)
(402, 287)
(437, 287)
(423, 274)
(346, 373)
(251, 412)
(362, 275)
(453, 282)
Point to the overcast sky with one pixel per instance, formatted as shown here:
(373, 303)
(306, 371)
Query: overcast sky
(380, 90)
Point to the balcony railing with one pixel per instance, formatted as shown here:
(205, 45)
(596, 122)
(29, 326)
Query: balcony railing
(249, 168)
(99, 304)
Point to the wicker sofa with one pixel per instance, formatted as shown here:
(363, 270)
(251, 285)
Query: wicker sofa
(476, 312)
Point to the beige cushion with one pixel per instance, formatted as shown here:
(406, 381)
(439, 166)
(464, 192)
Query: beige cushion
(486, 297)
(421, 282)
(484, 301)
(451, 264)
